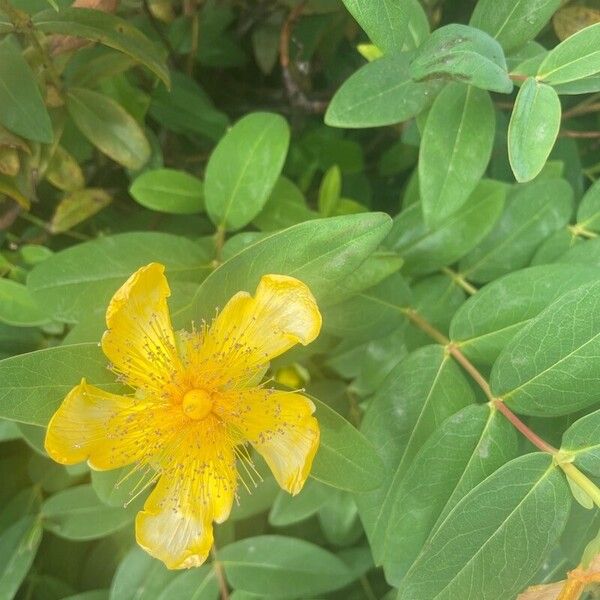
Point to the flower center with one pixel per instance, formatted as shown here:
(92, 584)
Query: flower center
(197, 404)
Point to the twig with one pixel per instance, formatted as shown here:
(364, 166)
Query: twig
(569, 133)
(296, 96)
(460, 281)
(218, 568)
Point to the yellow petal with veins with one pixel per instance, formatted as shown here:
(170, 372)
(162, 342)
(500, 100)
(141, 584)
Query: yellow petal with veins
(281, 428)
(139, 341)
(252, 330)
(197, 487)
(108, 430)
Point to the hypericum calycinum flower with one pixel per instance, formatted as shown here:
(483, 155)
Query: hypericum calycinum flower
(197, 406)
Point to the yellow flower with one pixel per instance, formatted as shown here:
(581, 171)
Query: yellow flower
(197, 406)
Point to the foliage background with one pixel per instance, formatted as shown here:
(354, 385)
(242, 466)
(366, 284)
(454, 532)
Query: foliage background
(428, 168)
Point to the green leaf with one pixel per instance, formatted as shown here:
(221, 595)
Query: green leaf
(141, 577)
(18, 307)
(491, 318)
(23, 111)
(346, 459)
(533, 129)
(289, 509)
(588, 213)
(329, 191)
(78, 514)
(574, 59)
(284, 567)
(169, 191)
(186, 109)
(370, 314)
(533, 212)
(426, 251)
(339, 521)
(199, 583)
(550, 367)
(380, 93)
(33, 385)
(391, 25)
(77, 207)
(109, 127)
(326, 252)
(455, 150)
(513, 22)
(80, 280)
(18, 547)
(423, 390)
(286, 206)
(582, 439)
(243, 169)
(468, 447)
(107, 29)
(464, 54)
(489, 545)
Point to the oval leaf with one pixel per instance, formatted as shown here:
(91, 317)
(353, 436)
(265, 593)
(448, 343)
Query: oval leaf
(169, 191)
(533, 129)
(455, 150)
(109, 127)
(243, 169)
(551, 366)
(495, 537)
(380, 93)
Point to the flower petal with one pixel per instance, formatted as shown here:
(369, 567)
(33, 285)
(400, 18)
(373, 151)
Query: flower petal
(140, 342)
(250, 331)
(108, 430)
(281, 428)
(197, 487)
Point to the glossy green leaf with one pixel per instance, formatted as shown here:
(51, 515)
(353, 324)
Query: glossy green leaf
(142, 577)
(426, 251)
(464, 54)
(289, 509)
(109, 127)
(80, 280)
(169, 191)
(199, 583)
(326, 252)
(488, 546)
(243, 169)
(346, 459)
(468, 447)
(371, 313)
(284, 567)
(455, 150)
(78, 514)
(380, 93)
(18, 547)
(550, 366)
(33, 385)
(533, 129)
(574, 59)
(491, 318)
(391, 25)
(513, 22)
(286, 206)
(18, 307)
(582, 439)
(107, 29)
(23, 111)
(533, 212)
(423, 390)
